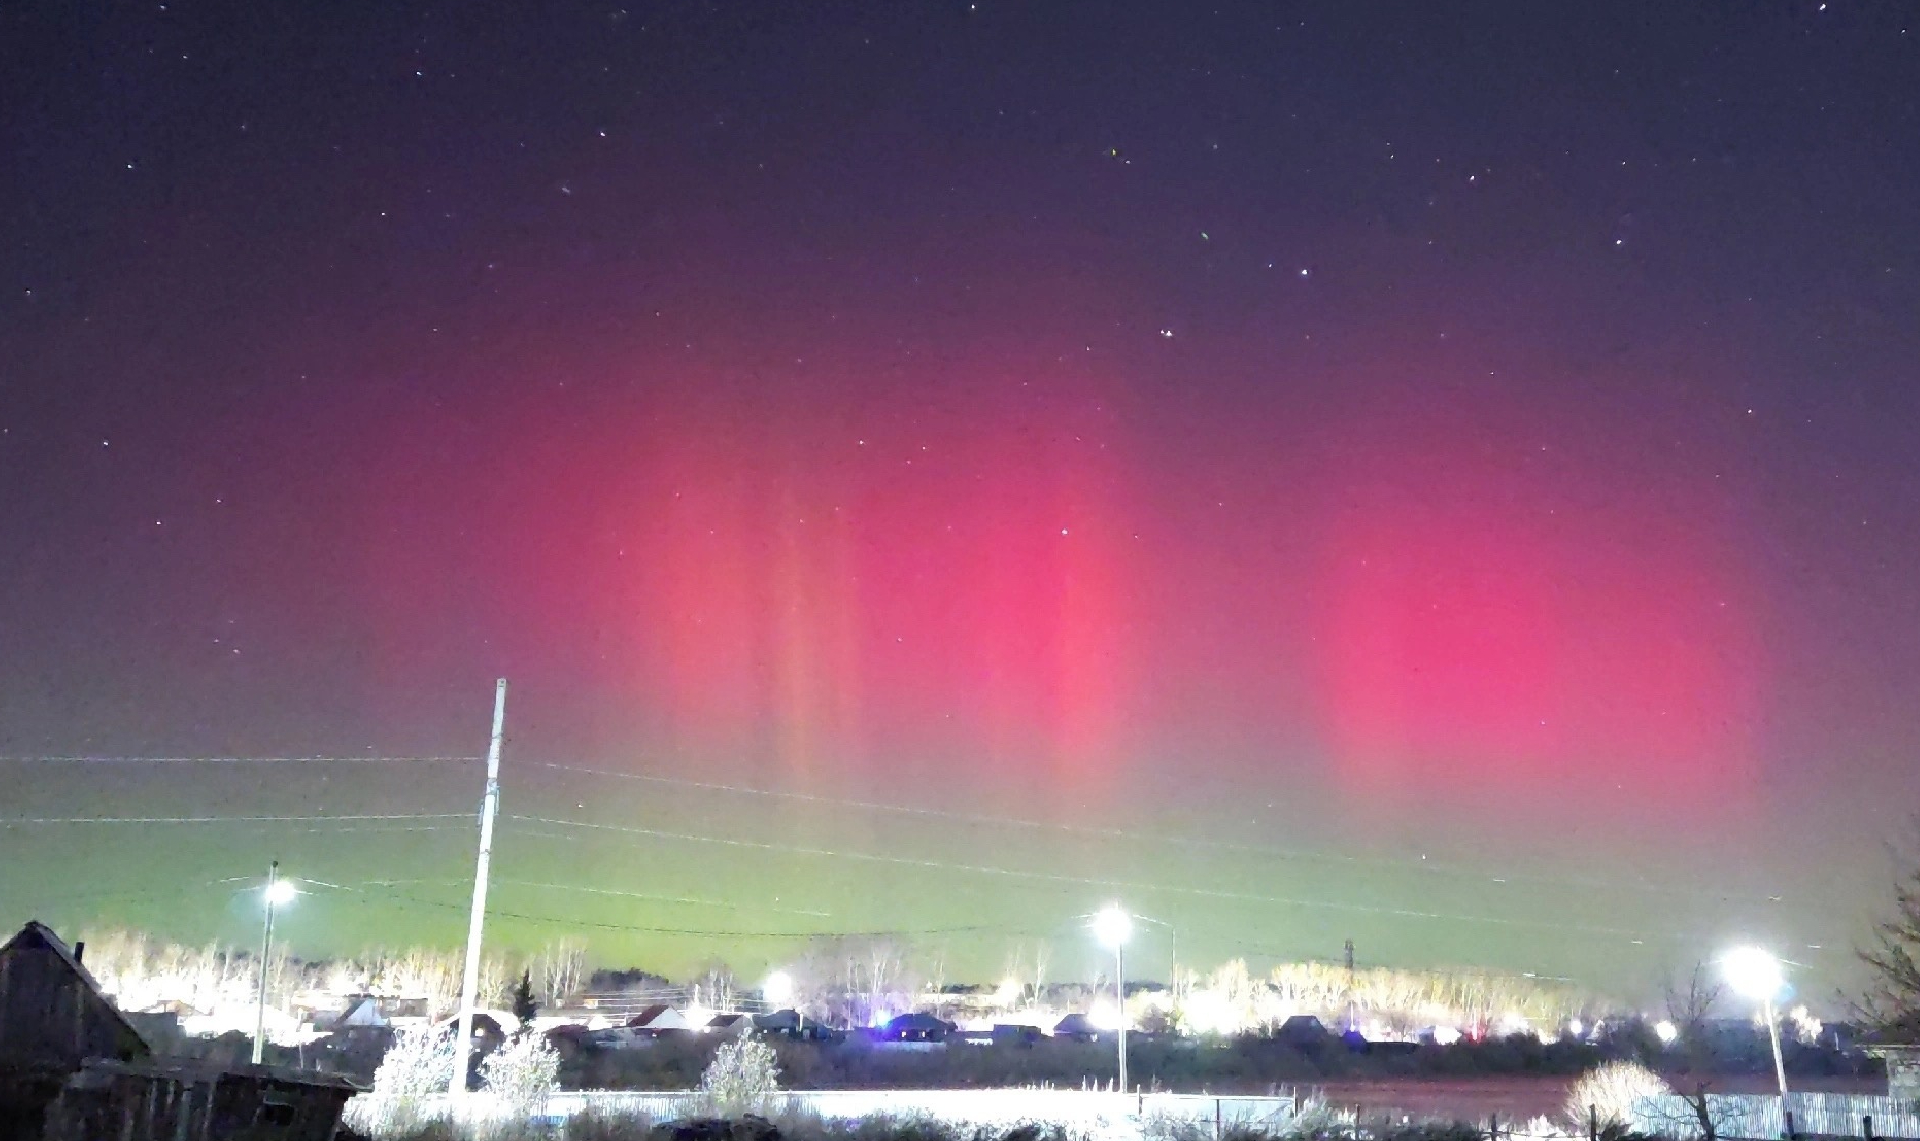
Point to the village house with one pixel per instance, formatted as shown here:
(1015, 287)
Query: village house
(73, 1068)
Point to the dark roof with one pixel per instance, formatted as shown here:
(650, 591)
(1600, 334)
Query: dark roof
(1075, 1024)
(919, 1020)
(36, 936)
(190, 1069)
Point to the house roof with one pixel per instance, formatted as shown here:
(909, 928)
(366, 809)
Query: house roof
(189, 1069)
(38, 936)
(646, 1014)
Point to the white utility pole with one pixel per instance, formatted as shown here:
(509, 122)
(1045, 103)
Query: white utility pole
(270, 897)
(470, 981)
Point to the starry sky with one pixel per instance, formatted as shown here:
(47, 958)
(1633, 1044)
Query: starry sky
(1446, 476)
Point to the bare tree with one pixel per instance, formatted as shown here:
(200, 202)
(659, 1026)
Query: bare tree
(561, 967)
(1691, 1005)
(1891, 1001)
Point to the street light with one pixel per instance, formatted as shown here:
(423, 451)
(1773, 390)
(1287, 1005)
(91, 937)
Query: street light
(1758, 975)
(779, 990)
(277, 893)
(1113, 927)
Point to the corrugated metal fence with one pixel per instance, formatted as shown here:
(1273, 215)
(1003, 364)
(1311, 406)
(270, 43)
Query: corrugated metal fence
(1758, 1117)
(1082, 1112)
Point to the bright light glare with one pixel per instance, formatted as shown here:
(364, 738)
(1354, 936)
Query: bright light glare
(1576, 1028)
(1113, 926)
(1666, 1032)
(778, 989)
(282, 892)
(1009, 991)
(1445, 1035)
(1755, 973)
(1104, 1015)
(698, 1016)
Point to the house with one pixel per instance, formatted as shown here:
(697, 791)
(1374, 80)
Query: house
(73, 1068)
(1302, 1032)
(53, 1019)
(658, 1019)
(1077, 1027)
(916, 1027)
(730, 1024)
(1903, 1069)
(165, 1100)
(1012, 1034)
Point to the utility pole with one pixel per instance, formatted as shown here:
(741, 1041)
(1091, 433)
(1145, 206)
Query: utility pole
(1353, 1013)
(270, 898)
(470, 980)
(1120, 992)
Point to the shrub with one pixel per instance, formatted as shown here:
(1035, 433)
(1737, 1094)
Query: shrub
(1609, 1091)
(418, 1066)
(741, 1079)
(521, 1074)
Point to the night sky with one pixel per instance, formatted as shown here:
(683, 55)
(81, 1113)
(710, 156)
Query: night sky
(1446, 475)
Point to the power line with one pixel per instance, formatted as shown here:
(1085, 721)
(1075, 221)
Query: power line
(553, 920)
(16, 821)
(1422, 865)
(682, 899)
(108, 760)
(1057, 877)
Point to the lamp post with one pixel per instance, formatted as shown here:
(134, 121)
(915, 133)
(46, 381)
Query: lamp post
(778, 990)
(1757, 974)
(277, 892)
(1113, 927)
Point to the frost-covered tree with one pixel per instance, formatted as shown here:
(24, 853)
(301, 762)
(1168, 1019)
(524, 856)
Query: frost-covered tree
(1608, 1092)
(742, 1078)
(418, 1066)
(521, 1075)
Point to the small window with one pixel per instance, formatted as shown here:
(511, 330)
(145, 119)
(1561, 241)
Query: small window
(277, 1114)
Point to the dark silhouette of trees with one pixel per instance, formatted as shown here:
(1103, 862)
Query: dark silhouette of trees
(1892, 999)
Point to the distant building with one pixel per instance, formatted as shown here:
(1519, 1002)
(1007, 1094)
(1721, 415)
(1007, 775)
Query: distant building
(1077, 1027)
(916, 1027)
(1303, 1032)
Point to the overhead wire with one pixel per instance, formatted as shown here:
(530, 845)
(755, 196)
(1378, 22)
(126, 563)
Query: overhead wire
(1059, 877)
(90, 759)
(1134, 836)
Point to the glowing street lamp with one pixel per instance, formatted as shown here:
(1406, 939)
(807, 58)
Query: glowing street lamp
(781, 994)
(277, 894)
(1113, 927)
(1758, 975)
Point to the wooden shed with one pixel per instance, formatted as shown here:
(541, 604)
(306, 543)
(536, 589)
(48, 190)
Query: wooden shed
(193, 1101)
(53, 1019)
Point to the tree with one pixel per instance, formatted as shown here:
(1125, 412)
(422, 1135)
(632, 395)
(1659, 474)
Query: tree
(1690, 1006)
(562, 966)
(1892, 999)
(1606, 1095)
(525, 1006)
(741, 1079)
(522, 1074)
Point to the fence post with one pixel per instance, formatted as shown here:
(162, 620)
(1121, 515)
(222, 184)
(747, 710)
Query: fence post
(1866, 1127)
(1791, 1134)
(1216, 1119)
(1493, 1127)
(1593, 1123)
